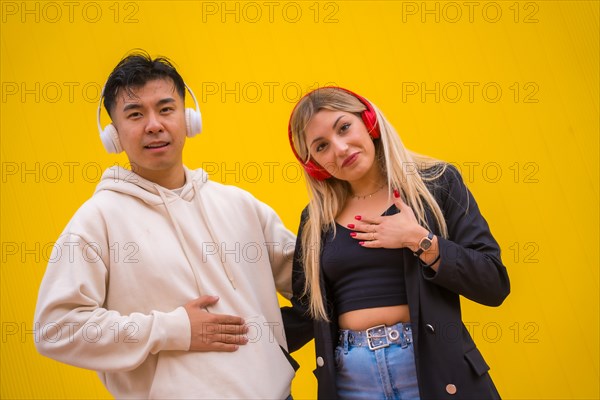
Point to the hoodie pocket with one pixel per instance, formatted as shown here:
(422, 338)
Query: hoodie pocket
(257, 370)
(267, 360)
(476, 361)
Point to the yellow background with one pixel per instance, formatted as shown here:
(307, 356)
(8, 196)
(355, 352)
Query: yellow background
(529, 152)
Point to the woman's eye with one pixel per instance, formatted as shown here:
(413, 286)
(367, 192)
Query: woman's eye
(320, 147)
(344, 127)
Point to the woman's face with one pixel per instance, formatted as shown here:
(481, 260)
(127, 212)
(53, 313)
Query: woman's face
(340, 143)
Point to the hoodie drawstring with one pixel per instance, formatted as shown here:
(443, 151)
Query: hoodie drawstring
(182, 241)
(184, 244)
(226, 268)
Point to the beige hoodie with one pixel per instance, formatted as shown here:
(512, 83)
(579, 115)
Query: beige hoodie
(111, 299)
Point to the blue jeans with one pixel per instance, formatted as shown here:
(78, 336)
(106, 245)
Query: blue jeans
(378, 363)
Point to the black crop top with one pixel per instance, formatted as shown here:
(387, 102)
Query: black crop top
(361, 277)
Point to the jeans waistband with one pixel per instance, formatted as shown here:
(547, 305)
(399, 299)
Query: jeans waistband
(377, 337)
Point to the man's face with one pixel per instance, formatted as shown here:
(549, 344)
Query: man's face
(151, 125)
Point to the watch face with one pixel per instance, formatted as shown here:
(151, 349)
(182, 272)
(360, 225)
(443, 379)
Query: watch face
(425, 244)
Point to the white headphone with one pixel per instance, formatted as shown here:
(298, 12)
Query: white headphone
(110, 136)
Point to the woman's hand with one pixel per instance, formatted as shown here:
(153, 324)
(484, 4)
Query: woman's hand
(390, 231)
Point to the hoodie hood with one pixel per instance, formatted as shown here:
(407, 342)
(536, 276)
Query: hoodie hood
(121, 180)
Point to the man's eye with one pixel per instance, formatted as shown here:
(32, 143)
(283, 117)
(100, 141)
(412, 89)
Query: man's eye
(134, 115)
(167, 109)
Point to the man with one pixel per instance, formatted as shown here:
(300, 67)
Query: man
(130, 289)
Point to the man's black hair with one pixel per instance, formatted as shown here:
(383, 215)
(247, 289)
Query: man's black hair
(134, 71)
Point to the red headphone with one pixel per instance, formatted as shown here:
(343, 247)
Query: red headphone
(369, 117)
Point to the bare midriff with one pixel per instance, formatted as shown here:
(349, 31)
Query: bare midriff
(359, 320)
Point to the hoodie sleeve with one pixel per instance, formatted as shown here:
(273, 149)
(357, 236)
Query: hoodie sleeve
(281, 242)
(470, 257)
(73, 326)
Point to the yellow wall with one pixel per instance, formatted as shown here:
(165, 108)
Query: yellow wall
(508, 91)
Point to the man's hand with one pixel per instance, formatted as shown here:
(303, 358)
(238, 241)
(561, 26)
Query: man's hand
(214, 332)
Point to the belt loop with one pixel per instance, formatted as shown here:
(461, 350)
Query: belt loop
(408, 333)
(344, 340)
(404, 337)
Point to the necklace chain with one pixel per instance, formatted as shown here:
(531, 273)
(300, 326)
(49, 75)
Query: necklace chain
(368, 196)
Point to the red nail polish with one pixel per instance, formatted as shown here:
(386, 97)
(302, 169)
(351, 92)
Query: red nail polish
(351, 226)
(358, 217)
(361, 243)
(353, 234)
(396, 193)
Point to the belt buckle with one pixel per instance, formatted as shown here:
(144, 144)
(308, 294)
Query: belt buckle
(371, 336)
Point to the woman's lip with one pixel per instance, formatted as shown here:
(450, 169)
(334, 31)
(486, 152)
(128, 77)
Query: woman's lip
(350, 159)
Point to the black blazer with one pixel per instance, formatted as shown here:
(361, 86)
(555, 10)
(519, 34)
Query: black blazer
(449, 365)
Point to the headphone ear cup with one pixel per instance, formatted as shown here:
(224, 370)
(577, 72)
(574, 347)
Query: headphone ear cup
(193, 122)
(316, 171)
(110, 139)
(370, 119)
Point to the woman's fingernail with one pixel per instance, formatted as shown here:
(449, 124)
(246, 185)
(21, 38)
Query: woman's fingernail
(353, 234)
(396, 193)
(351, 226)
(361, 243)
(358, 217)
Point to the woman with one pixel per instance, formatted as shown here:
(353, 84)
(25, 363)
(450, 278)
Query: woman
(388, 242)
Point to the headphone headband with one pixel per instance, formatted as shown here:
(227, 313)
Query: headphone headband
(368, 116)
(193, 98)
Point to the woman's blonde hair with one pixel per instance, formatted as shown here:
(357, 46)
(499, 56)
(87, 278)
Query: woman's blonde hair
(401, 167)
